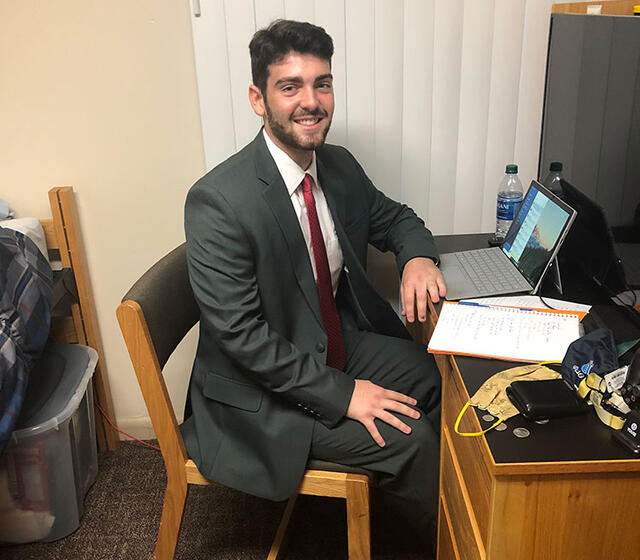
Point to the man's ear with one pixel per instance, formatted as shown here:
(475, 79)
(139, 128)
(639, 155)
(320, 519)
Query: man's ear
(257, 100)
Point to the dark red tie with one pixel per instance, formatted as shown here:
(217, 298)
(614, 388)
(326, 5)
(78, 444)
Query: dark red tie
(335, 352)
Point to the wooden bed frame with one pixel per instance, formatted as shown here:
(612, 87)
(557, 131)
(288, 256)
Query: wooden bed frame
(74, 317)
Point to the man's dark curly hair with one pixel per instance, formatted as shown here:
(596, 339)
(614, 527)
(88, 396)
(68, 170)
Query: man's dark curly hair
(273, 43)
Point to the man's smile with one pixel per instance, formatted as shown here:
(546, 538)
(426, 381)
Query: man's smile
(308, 120)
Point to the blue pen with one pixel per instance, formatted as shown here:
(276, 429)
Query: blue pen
(473, 303)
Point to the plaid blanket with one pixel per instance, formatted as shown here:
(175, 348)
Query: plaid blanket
(25, 317)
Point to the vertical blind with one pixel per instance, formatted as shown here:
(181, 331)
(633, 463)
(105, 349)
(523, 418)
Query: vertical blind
(434, 97)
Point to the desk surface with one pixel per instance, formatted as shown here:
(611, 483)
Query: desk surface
(573, 439)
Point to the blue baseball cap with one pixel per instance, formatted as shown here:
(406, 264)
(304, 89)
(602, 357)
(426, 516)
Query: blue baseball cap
(593, 353)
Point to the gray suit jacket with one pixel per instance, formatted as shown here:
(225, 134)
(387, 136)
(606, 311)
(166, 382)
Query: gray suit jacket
(259, 379)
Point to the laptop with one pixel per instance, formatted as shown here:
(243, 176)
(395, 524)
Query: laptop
(519, 264)
(590, 245)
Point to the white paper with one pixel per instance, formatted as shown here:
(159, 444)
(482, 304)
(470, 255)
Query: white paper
(503, 332)
(532, 301)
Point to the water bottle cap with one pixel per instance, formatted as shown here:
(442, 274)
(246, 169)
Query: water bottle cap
(555, 166)
(511, 168)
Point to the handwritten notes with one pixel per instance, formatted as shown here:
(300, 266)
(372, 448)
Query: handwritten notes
(503, 332)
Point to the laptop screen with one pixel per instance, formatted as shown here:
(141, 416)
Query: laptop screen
(536, 232)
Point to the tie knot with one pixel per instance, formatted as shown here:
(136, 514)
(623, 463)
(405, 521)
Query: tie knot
(306, 183)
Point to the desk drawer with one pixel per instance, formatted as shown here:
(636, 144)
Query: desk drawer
(469, 451)
(446, 547)
(466, 534)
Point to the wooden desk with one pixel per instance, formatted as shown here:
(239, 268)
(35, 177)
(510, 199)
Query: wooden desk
(566, 492)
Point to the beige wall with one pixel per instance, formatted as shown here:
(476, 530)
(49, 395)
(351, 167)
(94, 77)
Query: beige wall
(102, 96)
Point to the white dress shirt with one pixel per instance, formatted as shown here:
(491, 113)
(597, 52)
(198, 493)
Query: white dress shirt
(292, 175)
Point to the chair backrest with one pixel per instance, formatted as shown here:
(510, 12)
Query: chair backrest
(154, 316)
(164, 294)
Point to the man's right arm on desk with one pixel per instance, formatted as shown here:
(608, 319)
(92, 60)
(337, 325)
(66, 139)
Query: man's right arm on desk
(395, 227)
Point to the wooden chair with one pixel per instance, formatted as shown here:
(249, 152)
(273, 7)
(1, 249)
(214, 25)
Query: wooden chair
(154, 317)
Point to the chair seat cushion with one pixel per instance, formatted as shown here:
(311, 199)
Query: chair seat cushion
(320, 465)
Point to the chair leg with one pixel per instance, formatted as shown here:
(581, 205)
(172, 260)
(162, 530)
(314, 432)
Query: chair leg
(172, 511)
(278, 541)
(358, 523)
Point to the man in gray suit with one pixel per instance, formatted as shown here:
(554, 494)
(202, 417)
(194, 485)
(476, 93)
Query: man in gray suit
(298, 355)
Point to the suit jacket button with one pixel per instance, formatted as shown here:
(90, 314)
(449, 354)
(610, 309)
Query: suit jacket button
(320, 347)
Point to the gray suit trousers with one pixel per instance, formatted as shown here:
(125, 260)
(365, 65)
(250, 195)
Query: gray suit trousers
(408, 465)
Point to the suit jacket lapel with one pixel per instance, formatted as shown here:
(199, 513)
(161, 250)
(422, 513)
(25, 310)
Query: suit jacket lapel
(277, 197)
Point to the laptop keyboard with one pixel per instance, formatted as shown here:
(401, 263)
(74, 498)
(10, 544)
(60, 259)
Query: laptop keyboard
(491, 272)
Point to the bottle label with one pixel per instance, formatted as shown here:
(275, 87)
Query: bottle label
(508, 206)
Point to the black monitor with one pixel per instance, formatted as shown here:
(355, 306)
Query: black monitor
(590, 244)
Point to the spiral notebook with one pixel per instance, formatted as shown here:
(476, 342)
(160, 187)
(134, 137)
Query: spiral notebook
(503, 333)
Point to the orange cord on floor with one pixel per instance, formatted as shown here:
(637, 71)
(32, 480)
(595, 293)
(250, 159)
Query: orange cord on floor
(123, 432)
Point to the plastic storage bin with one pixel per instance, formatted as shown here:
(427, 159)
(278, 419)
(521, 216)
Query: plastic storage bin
(51, 460)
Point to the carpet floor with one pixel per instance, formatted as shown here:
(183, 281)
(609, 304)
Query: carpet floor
(122, 515)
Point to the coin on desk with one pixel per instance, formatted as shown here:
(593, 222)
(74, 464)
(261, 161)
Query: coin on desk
(501, 427)
(543, 421)
(521, 432)
(488, 418)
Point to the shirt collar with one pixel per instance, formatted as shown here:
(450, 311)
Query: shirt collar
(292, 174)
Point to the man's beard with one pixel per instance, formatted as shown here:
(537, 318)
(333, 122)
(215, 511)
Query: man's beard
(289, 138)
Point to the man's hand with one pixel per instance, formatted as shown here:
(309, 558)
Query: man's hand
(370, 401)
(420, 275)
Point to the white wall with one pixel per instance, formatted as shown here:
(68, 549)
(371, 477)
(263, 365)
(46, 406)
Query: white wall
(434, 97)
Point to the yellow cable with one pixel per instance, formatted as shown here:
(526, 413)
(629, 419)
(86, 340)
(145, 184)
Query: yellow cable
(457, 424)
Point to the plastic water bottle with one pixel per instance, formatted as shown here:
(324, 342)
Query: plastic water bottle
(509, 199)
(552, 180)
